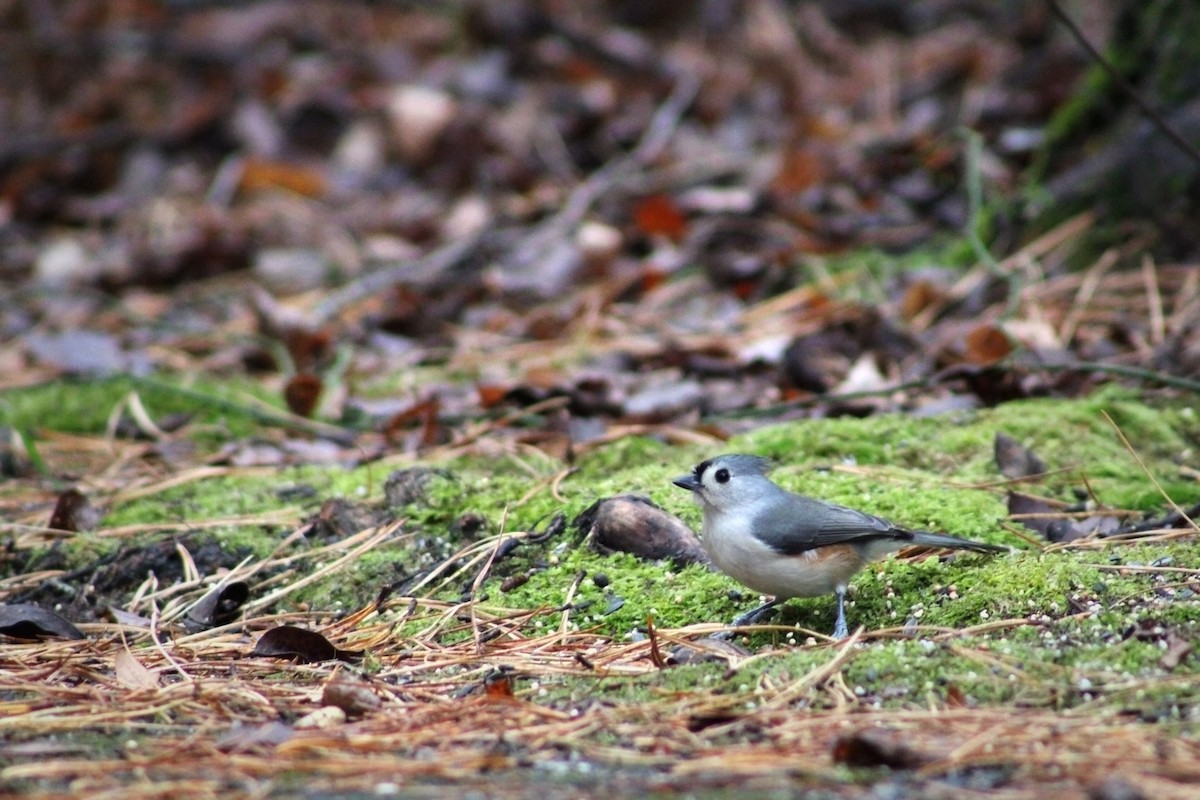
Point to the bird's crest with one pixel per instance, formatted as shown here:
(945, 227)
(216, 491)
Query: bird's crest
(737, 463)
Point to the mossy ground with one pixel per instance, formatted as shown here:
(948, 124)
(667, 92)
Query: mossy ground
(1070, 642)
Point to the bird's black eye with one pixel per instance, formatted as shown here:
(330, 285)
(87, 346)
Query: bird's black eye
(722, 476)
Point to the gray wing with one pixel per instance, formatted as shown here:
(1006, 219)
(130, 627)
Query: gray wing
(792, 524)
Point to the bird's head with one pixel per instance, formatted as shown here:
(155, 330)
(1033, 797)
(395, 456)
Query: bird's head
(725, 482)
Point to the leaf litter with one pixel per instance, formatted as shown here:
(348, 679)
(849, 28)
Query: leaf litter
(571, 234)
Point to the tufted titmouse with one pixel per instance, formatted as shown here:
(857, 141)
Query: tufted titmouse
(787, 545)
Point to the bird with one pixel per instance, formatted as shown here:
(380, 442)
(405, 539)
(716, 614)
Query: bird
(786, 545)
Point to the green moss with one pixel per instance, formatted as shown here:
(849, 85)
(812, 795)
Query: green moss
(1073, 438)
(220, 409)
(932, 473)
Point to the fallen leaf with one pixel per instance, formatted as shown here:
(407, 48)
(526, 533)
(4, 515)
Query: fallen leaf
(498, 685)
(308, 348)
(248, 738)
(258, 175)
(1178, 648)
(491, 394)
(987, 344)
(27, 621)
(955, 697)
(425, 412)
(1043, 515)
(302, 392)
(883, 747)
(353, 697)
(301, 645)
(658, 215)
(131, 673)
(1014, 459)
(919, 296)
(219, 607)
(73, 512)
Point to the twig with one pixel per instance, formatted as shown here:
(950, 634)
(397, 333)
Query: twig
(431, 263)
(1154, 301)
(482, 576)
(1156, 118)
(1085, 293)
(566, 607)
(264, 415)
(1125, 372)
(656, 137)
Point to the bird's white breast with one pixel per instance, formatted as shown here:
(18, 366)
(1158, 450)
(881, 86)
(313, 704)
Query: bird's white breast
(739, 554)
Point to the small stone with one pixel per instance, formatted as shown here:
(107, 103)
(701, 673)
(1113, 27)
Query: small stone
(290, 270)
(597, 241)
(360, 150)
(466, 218)
(62, 262)
(419, 116)
(323, 718)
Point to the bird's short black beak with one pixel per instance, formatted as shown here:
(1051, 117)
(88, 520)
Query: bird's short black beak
(689, 482)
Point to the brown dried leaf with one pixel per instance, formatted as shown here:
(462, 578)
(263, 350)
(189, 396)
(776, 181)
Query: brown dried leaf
(1178, 649)
(498, 685)
(919, 296)
(302, 392)
(258, 175)
(299, 644)
(73, 512)
(131, 673)
(955, 697)
(986, 345)
(882, 747)
(659, 215)
(491, 395)
(425, 412)
(353, 697)
(1014, 459)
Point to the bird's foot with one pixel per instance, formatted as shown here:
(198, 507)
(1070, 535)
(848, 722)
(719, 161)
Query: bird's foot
(755, 615)
(751, 617)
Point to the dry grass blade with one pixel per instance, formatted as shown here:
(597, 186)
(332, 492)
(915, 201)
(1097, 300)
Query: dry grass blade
(280, 516)
(354, 547)
(1142, 465)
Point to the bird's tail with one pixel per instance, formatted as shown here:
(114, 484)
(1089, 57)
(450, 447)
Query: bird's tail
(946, 540)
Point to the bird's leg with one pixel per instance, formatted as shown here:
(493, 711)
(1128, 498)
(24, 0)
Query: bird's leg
(840, 630)
(754, 615)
